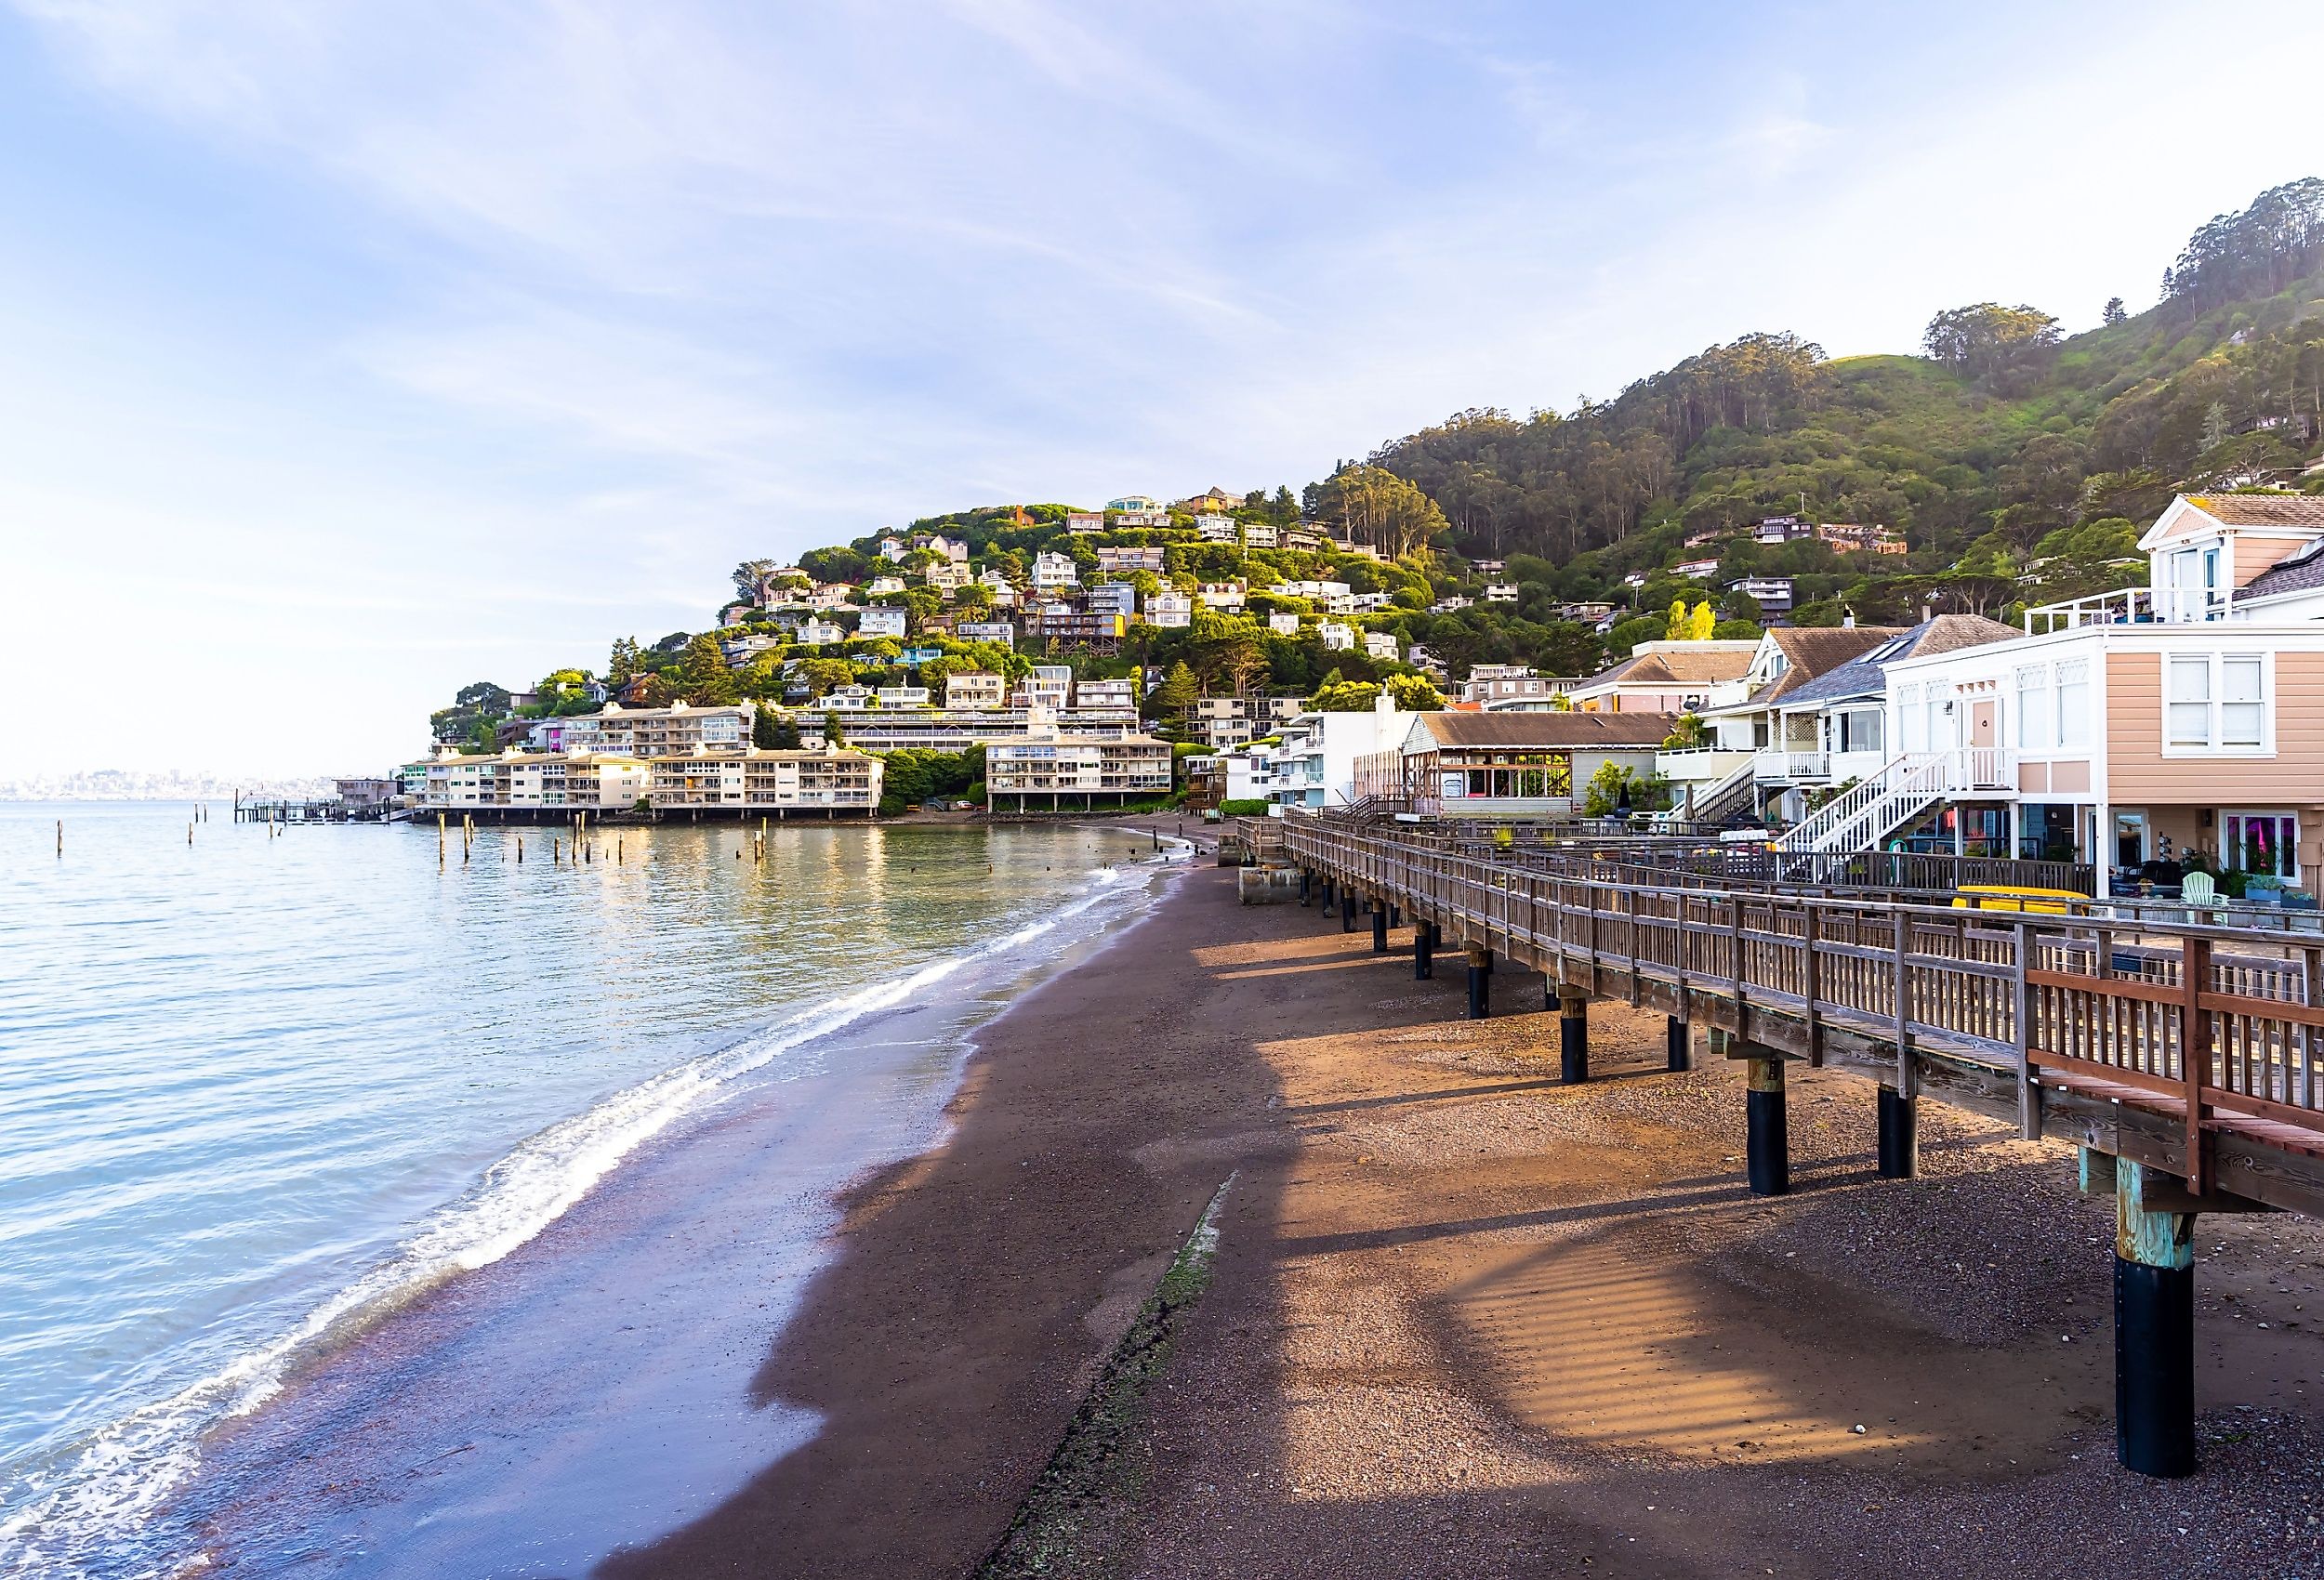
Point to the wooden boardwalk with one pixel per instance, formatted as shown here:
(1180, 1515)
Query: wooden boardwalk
(2181, 1057)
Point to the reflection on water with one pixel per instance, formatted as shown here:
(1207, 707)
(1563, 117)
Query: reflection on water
(246, 1083)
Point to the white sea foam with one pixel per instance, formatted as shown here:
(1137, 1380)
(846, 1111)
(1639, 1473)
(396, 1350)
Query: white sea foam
(86, 1516)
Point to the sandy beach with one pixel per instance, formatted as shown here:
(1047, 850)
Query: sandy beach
(1468, 1322)
(1462, 1320)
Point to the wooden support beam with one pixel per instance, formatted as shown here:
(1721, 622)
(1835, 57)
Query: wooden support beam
(1573, 1036)
(1767, 1139)
(1480, 981)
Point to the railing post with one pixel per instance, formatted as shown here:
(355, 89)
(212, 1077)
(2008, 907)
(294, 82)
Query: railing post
(1907, 1079)
(1812, 982)
(2195, 1050)
(2021, 1034)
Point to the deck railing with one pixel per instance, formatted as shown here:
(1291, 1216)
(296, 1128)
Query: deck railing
(2219, 1026)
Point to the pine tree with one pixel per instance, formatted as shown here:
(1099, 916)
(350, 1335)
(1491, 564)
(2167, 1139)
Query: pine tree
(834, 733)
(2114, 312)
(624, 666)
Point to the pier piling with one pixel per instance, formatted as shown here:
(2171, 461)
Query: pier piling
(1379, 926)
(1573, 1036)
(1767, 1136)
(1480, 981)
(1423, 951)
(1899, 1135)
(1678, 1044)
(2154, 1331)
(1347, 912)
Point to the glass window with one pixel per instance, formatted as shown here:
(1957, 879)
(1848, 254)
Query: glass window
(2074, 703)
(2187, 688)
(2037, 730)
(2264, 842)
(2239, 703)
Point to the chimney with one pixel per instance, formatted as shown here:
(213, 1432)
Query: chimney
(1849, 620)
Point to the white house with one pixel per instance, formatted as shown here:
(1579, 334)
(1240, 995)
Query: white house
(1337, 638)
(1220, 594)
(884, 620)
(1284, 623)
(1215, 528)
(1380, 645)
(820, 633)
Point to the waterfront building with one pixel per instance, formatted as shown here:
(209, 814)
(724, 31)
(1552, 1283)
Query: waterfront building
(1050, 767)
(1509, 764)
(652, 732)
(749, 781)
(1315, 764)
(528, 782)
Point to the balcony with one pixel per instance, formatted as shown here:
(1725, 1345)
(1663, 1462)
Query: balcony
(1791, 764)
(2132, 606)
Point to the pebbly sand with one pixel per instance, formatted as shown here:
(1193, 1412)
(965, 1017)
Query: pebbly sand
(1464, 1320)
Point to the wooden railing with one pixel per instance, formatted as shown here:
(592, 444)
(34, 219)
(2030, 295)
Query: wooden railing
(2216, 1028)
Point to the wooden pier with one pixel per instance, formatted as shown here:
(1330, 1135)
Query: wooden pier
(327, 809)
(2180, 1056)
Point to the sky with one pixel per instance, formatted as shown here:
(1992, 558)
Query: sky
(351, 352)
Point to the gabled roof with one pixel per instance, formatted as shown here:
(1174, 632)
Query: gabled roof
(1681, 668)
(2261, 509)
(1811, 650)
(1866, 676)
(1530, 732)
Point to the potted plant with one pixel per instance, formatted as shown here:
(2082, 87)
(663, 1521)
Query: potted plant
(2232, 883)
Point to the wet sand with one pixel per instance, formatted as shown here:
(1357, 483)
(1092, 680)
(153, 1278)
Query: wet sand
(1466, 1322)
(1463, 1320)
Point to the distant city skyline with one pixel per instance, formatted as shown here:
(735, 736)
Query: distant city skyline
(347, 357)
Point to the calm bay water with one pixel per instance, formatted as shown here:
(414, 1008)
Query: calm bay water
(250, 1087)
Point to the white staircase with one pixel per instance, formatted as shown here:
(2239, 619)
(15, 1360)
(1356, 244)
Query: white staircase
(1716, 801)
(1905, 789)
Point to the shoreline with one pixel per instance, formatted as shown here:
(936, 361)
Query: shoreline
(792, 1122)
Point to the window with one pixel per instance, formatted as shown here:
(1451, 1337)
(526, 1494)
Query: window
(2074, 703)
(2188, 707)
(2037, 718)
(2216, 701)
(2262, 842)
(2240, 704)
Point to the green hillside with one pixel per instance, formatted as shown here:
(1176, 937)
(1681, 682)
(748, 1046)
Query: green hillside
(1987, 453)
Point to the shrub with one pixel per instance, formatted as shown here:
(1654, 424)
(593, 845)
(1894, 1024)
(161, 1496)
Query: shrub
(1244, 807)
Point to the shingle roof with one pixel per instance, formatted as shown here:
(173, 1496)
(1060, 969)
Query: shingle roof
(2261, 509)
(1680, 666)
(1867, 676)
(2296, 571)
(1811, 650)
(1530, 730)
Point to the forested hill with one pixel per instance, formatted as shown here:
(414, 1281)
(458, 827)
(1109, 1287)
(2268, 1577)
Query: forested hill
(1992, 447)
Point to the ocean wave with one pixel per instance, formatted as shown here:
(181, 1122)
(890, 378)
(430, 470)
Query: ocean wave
(83, 1517)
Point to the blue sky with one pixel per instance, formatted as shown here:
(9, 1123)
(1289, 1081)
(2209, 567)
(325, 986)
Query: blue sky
(349, 353)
